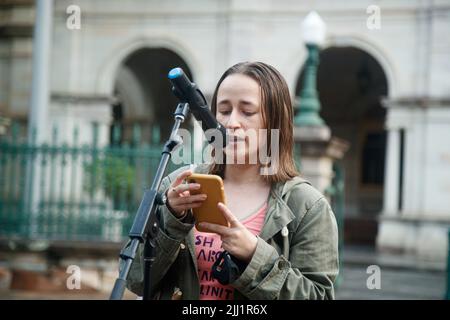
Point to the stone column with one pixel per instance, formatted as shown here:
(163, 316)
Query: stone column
(80, 113)
(38, 115)
(419, 226)
(392, 175)
(318, 151)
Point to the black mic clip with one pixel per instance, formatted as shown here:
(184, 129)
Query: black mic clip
(178, 94)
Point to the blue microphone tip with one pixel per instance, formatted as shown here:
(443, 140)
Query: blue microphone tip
(175, 73)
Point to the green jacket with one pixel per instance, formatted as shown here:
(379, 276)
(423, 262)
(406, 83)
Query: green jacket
(296, 255)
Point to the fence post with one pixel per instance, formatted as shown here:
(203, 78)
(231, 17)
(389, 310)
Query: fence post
(336, 193)
(447, 296)
(298, 155)
(340, 185)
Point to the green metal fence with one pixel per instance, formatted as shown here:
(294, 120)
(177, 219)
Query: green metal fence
(336, 192)
(85, 191)
(73, 191)
(447, 293)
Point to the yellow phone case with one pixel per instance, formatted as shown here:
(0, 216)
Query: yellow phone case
(212, 186)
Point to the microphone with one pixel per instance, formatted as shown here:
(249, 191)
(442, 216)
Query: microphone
(188, 92)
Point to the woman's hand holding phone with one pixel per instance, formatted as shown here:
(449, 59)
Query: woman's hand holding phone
(179, 198)
(236, 238)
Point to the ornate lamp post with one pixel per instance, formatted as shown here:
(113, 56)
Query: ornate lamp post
(308, 106)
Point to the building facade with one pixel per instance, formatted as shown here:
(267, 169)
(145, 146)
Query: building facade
(382, 83)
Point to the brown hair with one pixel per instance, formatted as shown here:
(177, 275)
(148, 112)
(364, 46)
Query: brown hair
(277, 113)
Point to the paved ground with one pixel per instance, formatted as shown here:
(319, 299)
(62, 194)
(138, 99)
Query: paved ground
(395, 284)
(401, 278)
(19, 295)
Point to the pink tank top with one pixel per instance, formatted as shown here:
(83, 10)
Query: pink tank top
(208, 248)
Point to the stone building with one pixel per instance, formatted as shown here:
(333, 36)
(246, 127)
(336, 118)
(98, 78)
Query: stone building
(383, 87)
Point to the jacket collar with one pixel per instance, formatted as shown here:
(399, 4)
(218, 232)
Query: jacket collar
(279, 214)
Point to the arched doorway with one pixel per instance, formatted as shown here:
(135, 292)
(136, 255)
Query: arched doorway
(143, 94)
(351, 85)
(143, 101)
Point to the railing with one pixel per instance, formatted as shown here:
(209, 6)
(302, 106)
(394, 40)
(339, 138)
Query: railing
(78, 191)
(447, 294)
(336, 193)
(73, 192)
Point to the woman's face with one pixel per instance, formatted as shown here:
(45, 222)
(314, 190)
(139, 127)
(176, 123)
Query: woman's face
(239, 110)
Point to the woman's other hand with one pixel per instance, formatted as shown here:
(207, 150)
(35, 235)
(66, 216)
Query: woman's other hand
(179, 198)
(236, 239)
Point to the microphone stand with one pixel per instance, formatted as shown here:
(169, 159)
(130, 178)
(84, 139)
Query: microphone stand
(146, 225)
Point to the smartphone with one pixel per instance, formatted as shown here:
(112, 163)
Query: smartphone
(212, 186)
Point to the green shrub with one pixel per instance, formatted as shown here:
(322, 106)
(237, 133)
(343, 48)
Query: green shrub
(112, 174)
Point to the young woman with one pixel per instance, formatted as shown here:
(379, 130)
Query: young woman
(282, 233)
